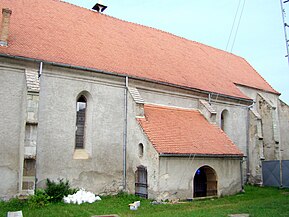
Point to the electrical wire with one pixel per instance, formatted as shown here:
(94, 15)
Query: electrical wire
(238, 26)
(229, 39)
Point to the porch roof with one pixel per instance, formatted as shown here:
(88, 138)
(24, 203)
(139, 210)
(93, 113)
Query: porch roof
(185, 131)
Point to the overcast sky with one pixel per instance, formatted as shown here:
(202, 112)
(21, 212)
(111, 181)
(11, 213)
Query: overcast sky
(260, 36)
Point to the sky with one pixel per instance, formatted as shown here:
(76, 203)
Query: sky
(260, 37)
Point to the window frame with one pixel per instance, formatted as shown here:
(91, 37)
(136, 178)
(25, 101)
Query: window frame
(80, 122)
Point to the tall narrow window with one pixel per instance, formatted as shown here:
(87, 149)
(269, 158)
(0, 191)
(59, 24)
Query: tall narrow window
(140, 150)
(81, 106)
(224, 120)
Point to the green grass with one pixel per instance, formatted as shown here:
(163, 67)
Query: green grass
(256, 201)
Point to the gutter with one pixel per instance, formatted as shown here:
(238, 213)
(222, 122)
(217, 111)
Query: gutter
(125, 75)
(202, 155)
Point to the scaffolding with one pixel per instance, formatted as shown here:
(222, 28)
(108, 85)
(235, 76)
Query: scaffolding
(285, 26)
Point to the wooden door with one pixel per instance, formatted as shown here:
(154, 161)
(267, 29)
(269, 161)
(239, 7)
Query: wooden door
(141, 186)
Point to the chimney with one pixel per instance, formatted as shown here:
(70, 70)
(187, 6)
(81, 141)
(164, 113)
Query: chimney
(6, 13)
(99, 7)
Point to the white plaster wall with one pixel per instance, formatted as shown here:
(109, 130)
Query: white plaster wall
(150, 158)
(274, 126)
(252, 93)
(236, 123)
(176, 175)
(102, 171)
(256, 152)
(284, 129)
(164, 95)
(12, 125)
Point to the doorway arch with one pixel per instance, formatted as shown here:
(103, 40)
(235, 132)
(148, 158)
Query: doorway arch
(205, 182)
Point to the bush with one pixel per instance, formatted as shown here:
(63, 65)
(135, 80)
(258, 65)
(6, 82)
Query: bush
(13, 204)
(56, 191)
(39, 199)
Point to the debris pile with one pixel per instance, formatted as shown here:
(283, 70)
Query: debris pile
(81, 196)
(134, 205)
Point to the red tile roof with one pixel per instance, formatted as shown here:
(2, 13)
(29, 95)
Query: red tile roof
(184, 131)
(59, 32)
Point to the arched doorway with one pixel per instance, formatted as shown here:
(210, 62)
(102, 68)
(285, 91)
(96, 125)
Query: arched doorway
(205, 182)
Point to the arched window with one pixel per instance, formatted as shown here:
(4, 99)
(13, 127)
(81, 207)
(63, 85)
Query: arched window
(224, 120)
(140, 149)
(81, 106)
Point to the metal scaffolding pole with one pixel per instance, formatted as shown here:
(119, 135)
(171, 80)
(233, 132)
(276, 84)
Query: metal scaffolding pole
(285, 26)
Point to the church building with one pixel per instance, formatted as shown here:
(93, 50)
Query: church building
(112, 106)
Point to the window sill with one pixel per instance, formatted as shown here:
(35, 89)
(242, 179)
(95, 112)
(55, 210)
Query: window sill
(80, 154)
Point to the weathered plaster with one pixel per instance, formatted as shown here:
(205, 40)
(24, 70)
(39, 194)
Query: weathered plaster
(176, 175)
(102, 171)
(13, 108)
(284, 129)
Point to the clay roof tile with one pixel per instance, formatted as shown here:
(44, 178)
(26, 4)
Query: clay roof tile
(184, 131)
(55, 31)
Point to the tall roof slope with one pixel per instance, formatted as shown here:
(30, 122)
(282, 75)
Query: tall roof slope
(183, 131)
(59, 32)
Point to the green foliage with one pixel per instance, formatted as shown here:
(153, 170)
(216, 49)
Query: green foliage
(13, 204)
(56, 191)
(126, 196)
(256, 201)
(39, 199)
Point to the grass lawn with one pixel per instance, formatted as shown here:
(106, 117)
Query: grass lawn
(256, 201)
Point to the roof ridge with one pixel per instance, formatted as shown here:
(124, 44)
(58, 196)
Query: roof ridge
(149, 27)
(78, 6)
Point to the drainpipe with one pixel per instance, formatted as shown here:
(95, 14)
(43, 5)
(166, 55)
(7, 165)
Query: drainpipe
(40, 69)
(241, 172)
(210, 98)
(125, 133)
(39, 74)
(248, 141)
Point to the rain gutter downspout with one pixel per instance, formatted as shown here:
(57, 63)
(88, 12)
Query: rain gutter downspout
(39, 75)
(125, 133)
(241, 172)
(248, 141)
(40, 69)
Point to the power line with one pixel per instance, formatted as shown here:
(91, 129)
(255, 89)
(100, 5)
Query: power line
(233, 24)
(238, 26)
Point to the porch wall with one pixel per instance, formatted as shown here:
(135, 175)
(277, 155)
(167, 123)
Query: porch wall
(176, 176)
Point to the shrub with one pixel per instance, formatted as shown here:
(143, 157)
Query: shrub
(13, 204)
(39, 199)
(56, 191)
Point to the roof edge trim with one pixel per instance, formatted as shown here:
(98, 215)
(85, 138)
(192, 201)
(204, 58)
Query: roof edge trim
(255, 88)
(245, 100)
(202, 155)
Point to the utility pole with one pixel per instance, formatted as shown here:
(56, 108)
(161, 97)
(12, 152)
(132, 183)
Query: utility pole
(285, 26)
